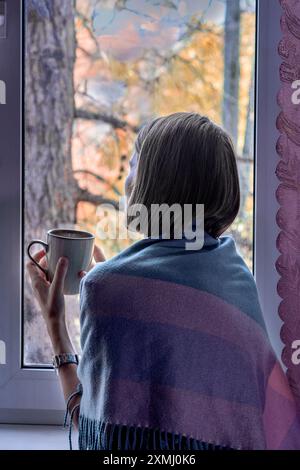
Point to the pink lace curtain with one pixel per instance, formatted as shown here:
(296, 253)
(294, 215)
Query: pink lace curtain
(288, 192)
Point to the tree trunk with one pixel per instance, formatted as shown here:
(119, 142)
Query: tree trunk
(49, 111)
(248, 149)
(51, 192)
(231, 68)
(50, 189)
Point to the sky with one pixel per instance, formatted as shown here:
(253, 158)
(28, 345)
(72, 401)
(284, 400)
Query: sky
(126, 29)
(145, 24)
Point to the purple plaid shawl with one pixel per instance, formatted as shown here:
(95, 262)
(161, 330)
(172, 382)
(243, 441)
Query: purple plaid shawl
(175, 340)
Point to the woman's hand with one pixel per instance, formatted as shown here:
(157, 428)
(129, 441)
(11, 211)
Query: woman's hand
(49, 295)
(52, 303)
(99, 258)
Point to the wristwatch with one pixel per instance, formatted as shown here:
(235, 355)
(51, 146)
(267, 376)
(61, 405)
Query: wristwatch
(64, 358)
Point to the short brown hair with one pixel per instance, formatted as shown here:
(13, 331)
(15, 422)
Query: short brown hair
(185, 158)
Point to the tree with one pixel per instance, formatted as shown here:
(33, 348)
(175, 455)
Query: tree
(234, 79)
(51, 192)
(64, 110)
(246, 163)
(231, 68)
(49, 199)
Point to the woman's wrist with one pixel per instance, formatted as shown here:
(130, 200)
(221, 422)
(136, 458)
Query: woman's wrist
(60, 338)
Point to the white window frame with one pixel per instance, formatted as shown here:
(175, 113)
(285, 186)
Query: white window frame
(34, 395)
(266, 159)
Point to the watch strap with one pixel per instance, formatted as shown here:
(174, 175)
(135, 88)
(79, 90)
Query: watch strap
(64, 358)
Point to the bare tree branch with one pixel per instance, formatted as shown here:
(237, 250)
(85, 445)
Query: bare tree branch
(114, 121)
(87, 25)
(99, 178)
(83, 195)
(245, 160)
(85, 52)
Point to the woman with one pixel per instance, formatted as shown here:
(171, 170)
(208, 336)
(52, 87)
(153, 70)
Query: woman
(175, 353)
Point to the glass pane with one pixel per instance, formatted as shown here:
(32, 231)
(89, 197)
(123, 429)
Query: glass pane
(95, 72)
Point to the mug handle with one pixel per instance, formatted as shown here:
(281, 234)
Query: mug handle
(40, 242)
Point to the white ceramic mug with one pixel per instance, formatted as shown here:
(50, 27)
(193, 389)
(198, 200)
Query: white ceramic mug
(76, 245)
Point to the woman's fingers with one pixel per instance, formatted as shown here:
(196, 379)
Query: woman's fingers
(37, 278)
(81, 274)
(36, 275)
(59, 276)
(40, 258)
(39, 255)
(44, 263)
(99, 258)
(98, 254)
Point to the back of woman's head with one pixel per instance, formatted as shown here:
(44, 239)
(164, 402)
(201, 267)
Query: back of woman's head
(185, 158)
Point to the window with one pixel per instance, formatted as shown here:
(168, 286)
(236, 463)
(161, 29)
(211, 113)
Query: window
(93, 75)
(89, 86)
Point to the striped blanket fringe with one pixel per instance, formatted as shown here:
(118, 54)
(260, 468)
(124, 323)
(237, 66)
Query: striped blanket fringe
(100, 435)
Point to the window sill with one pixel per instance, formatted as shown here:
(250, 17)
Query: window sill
(35, 437)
